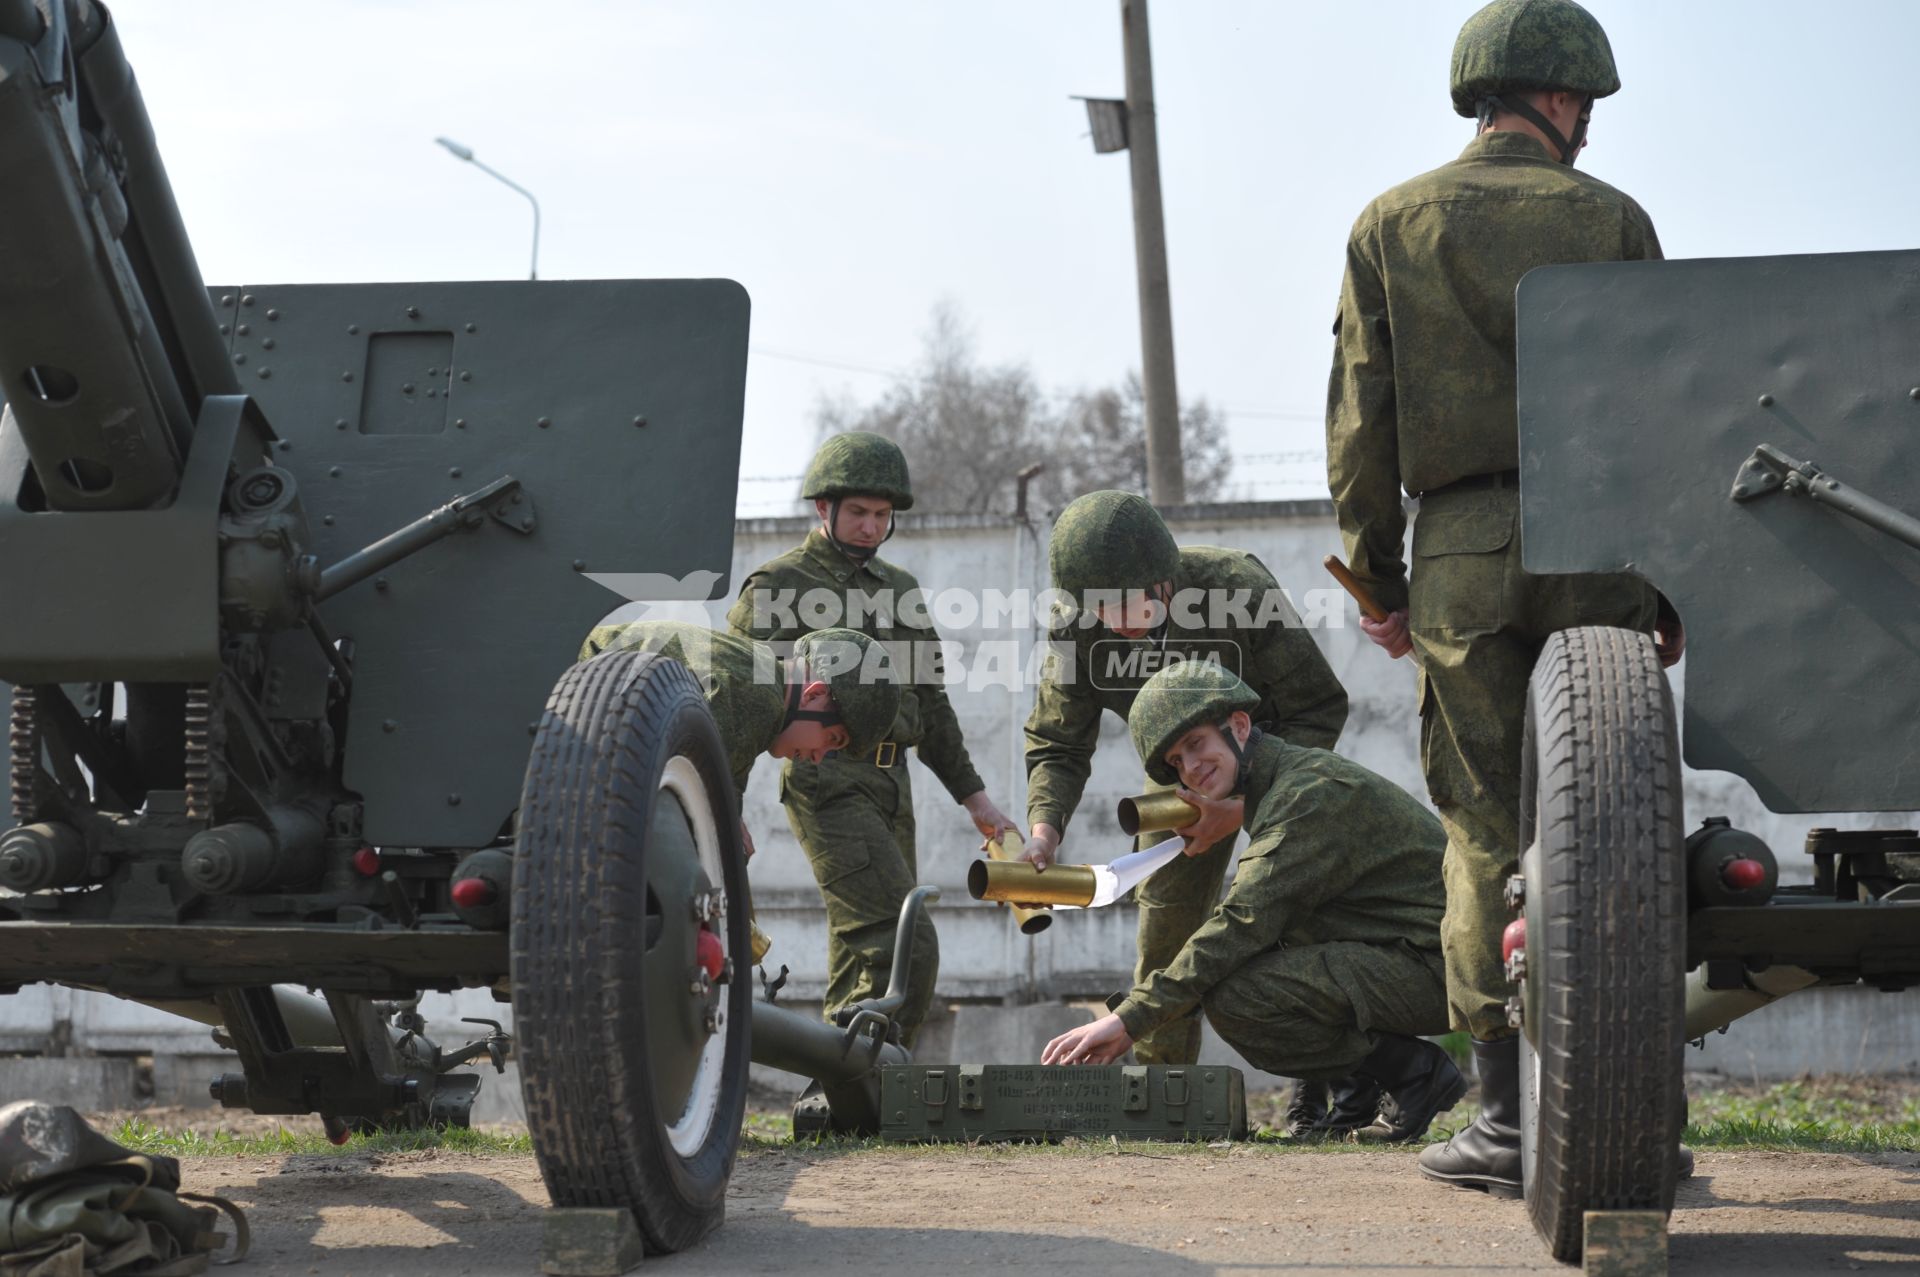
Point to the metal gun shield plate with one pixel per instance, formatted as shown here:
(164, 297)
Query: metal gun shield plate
(935, 1103)
(1643, 389)
(615, 403)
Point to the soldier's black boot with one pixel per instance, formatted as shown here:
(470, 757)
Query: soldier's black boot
(1417, 1082)
(1356, 1102)
(1486, 1155)
(1307, 1109)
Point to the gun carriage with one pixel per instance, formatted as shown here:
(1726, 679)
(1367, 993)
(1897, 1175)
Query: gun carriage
(289, 573)
(1740, 433)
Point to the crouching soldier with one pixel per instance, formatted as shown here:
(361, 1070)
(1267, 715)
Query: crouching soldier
(1323, 960)
(1139, 599)
(832, 693)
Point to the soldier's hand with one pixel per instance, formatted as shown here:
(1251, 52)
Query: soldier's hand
(987, 818)
(746, 838)
(1042, 843)
(1390, 633)
(1102, 1042)
(1219, 818)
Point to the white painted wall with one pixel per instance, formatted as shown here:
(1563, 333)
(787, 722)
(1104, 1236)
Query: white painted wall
(983, 957)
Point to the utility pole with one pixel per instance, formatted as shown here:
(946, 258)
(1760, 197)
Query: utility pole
(1166, 472)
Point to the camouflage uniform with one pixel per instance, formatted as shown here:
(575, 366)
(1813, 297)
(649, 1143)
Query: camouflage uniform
(1301, 702)
(748, 686)
(1422, 398)
(854, 815)
(745, 688)
(1330, 930)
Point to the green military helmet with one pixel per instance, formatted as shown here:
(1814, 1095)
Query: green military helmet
(859, 464)
(864, 682)
(1111, 541)
(1515, 46)
(1178, 699)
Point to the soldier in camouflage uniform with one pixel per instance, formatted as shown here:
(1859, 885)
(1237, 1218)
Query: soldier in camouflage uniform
(1422, 399)
(824, 697)
(853, 811)
(1324, 958)
(1111, 552)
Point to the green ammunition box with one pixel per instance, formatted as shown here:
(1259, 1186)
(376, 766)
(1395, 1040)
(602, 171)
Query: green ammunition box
(936, 1102)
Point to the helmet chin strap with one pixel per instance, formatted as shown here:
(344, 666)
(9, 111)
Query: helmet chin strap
(830, 717)
(858, 553)
(1242, 768)
(1492, 103)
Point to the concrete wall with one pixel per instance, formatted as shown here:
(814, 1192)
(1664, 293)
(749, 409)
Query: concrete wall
(1087, 955)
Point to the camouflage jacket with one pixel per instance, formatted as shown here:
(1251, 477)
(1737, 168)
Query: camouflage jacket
(745, 688)
(1334, 852)
(880, 600)
(1422, 390)
(1090, 669)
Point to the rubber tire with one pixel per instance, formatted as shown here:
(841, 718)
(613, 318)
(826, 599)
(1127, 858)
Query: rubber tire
(1606, 933)
(579, 901)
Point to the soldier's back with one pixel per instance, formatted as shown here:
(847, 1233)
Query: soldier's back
(1449, 247)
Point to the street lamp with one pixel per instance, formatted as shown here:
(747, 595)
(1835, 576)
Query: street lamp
(460, 152)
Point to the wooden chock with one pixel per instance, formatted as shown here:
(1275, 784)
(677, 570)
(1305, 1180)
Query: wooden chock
(1624, 1243)
(590, 1242)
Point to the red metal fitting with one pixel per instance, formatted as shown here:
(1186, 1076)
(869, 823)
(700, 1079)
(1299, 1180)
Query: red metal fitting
(366, 862)
(1743, 874)
(710, 954)
(1514, 937)
(472, 893)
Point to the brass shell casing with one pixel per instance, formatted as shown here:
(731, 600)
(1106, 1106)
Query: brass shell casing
(758, 940)
(1030, 921)
(1161, 809)
(1017, 882)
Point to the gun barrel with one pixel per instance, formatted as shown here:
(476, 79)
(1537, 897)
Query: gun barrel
(107, 339)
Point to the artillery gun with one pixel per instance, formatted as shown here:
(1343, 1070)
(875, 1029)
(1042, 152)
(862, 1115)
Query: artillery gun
(289, 573)
(1739, 433)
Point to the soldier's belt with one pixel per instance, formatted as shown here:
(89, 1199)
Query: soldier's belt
(1477, 482)
(885, 754)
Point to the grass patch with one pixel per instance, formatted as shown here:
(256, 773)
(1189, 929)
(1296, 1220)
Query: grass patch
(144, 1137)
(1826, 1115)
(1821, 1114)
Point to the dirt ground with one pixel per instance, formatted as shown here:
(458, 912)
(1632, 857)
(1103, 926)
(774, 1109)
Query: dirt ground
(1239, 1210)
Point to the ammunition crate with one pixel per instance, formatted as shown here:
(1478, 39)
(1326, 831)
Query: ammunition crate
(930, 1103)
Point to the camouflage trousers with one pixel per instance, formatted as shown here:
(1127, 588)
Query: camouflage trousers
(1312, 1011)
(1478, 623)
(855, 822)
(1173, 903)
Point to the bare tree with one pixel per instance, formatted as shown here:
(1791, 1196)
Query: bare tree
(1103, 444)
(968, 428)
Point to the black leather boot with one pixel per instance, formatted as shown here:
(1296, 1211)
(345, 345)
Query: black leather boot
(1356, 1102)
(1417, 1082)
(1486, 1155)
(1307, 1109)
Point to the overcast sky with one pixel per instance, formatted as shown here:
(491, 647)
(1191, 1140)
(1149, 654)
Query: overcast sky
(853, 163)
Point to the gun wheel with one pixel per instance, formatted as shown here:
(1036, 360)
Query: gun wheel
(629, 886)
(1603, 994)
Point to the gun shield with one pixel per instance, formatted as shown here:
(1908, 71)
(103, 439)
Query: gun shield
(1015, 882)
(1160, 810)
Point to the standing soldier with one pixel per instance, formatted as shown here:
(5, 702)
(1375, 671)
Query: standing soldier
(853, 813)
(1422, 398)
(1138, 600)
